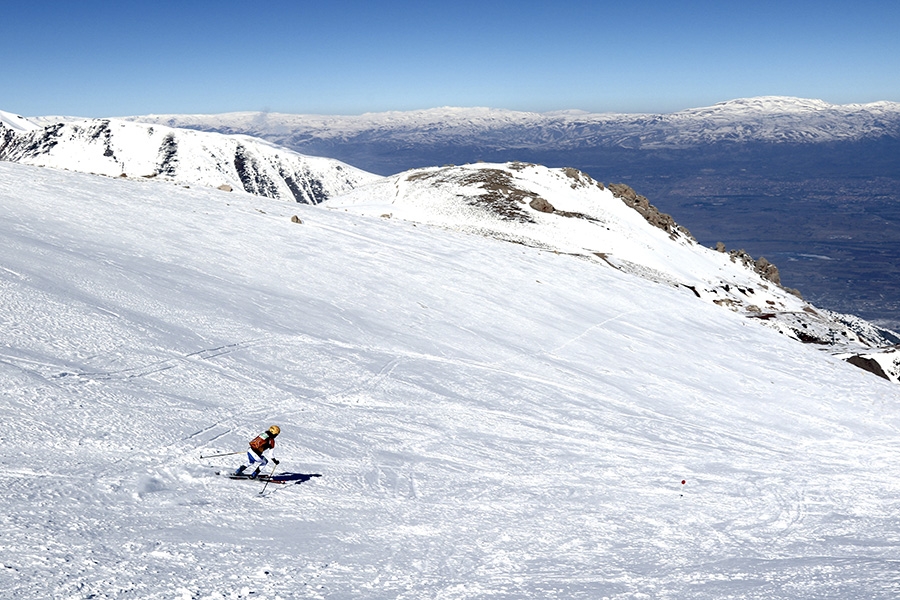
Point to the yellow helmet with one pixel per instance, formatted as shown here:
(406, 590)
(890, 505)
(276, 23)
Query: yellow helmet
(274, 429)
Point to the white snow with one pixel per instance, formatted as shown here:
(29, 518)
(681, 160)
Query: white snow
(588, 221)
(491, 420)
(16, 123)
(121, 148)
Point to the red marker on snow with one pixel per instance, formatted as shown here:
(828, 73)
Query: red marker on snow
(683, 482)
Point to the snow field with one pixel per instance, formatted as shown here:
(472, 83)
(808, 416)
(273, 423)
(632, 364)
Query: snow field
(588, 220)
(490, 420)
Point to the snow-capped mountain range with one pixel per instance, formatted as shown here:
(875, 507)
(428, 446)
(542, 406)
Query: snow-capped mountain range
(121, 148)
(762, 119)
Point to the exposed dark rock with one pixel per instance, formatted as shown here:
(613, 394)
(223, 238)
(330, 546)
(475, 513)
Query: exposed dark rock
(295, 188)
(34, 143)
(581, 179)
(518, 166)
(168, 156)
(253, 179)
(305, 187)
(808, 338)
(500, 194)
(648, 211)
(6, 138)
(541, 205)
(258, 171)
(767, 270)
(868, 364)
(100, 131)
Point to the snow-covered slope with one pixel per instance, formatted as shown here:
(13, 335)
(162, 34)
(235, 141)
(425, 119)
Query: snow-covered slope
(115, 148)
(489, 419)
(566, 211)
(763, 119)
(16, 123)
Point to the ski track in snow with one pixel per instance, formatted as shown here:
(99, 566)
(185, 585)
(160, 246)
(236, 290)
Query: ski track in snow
(491, 421)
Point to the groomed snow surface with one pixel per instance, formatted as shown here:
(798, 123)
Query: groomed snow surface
(490, 420)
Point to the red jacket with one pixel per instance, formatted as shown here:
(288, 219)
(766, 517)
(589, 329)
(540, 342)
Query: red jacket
(262, 443)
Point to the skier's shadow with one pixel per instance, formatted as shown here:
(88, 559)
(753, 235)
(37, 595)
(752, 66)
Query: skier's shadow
(296, 478)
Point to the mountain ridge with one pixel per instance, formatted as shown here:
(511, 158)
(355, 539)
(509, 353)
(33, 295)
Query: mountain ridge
(796, 120)
(122, 148)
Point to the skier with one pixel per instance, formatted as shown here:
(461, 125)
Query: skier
(258, 445)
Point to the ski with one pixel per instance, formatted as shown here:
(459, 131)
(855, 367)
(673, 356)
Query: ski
(282, 477)
(260, 477)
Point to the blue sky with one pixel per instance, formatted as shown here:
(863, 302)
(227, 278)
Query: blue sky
(95, 58)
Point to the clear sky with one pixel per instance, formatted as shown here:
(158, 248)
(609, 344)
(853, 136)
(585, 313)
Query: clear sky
(97, 58)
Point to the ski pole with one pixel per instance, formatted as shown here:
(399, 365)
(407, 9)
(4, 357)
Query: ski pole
(275, 466)
(217, 455)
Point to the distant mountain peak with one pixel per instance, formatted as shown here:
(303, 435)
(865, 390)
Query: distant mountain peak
(773, 103)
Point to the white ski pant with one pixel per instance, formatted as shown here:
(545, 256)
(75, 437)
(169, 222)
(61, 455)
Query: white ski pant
(255, 461)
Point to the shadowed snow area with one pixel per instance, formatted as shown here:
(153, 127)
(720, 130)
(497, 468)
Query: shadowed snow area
(490, 420)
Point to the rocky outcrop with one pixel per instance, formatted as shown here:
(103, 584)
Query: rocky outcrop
(168, 156)
(6, 137)
(20, 147)
(868, 364)
(541, 205)
(766, 270)
(500, 196)
(884, 362)
(580, 178)
(649, 212)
